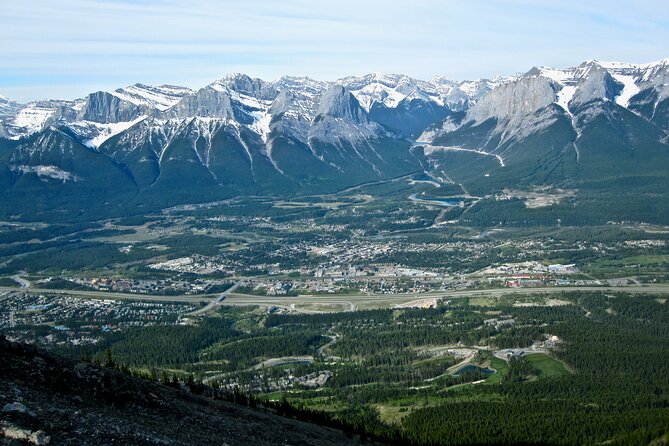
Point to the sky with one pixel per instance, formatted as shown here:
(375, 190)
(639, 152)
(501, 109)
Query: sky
(68, 48)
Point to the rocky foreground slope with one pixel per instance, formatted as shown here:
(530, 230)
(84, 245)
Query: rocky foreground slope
(46, 399)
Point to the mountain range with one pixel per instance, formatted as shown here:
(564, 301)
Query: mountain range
(599, 128)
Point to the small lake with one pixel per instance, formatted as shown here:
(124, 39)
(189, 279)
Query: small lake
(474, 368)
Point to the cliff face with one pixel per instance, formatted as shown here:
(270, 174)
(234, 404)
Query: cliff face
(45, 399)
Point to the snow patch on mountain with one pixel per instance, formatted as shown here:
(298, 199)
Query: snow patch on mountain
(44, 172)
(250, 97)
(31, 119)
(429, 134)
(246, 100)
(160, 98)
(102, 132)
(612, 65)
(559, 76)
(261, 124)
(564, 96)
(391, 89)
(459, 95)
(630, 88)
(377, 92)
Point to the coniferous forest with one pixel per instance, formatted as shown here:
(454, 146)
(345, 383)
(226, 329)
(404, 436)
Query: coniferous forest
(391, 378)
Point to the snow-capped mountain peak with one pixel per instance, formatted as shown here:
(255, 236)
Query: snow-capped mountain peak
(390, 90)
(242, 135)
(161, 97)
(396, 101)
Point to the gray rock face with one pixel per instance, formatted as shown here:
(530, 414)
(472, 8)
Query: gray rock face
(652, 98)
(295, 106)
(338, 102)
(206, 102)
(516, 99)
(656, 77)
(341, 119)
(284, 102)
(246, 85)
(106, 108)
(526, 105)
(329, 129)
(8, 109)
(594, 82)
(290, 117)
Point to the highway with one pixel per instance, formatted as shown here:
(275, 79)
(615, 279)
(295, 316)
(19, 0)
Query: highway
(216, 302)
(349, 302)
(189, 298)
(353, 302)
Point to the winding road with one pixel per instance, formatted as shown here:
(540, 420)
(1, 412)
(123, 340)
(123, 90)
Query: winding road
(23, 283)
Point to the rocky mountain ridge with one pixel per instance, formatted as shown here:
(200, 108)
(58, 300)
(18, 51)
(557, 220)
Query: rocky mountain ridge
(244, 136)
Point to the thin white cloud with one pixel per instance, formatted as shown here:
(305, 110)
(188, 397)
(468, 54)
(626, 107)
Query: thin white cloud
(59, 48)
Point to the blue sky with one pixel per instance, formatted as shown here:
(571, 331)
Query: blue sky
(67, 48)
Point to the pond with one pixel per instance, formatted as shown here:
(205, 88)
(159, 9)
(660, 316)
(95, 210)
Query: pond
(474, 368)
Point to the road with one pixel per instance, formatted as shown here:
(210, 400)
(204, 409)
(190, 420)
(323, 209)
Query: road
(375, 183)
(274, 362)
(347, 302)
(268, 363)
(321, 350)
(216, 302)
(352, 302)
(189, 298)
(23, 283)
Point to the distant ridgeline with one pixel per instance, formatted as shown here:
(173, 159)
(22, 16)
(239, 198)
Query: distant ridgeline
(598, 130)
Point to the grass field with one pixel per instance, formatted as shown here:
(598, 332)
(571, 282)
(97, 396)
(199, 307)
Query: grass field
(501, 368)
(482, 301)
(547, 366)
(636, 265)
(393, 414)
